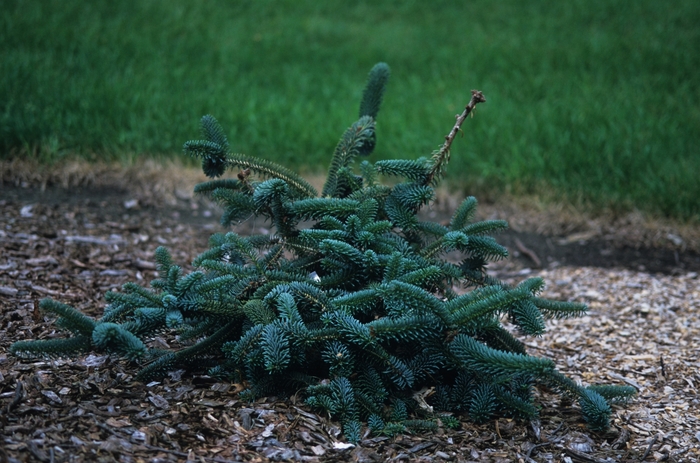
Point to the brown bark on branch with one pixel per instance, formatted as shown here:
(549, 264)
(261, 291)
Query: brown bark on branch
(442, 156)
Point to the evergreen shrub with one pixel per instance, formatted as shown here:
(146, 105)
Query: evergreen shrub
(351, 298)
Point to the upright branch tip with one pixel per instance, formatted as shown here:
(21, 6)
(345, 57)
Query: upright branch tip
(442, 156)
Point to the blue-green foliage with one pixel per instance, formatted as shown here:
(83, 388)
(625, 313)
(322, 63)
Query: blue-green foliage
(375, 423)
(374, 90)
(359, 306)
(352, 430)
(52, 347)
(483, 403)
(450, 421)
(275, 348)
(595, 410)
(614, 393)
(110, 336)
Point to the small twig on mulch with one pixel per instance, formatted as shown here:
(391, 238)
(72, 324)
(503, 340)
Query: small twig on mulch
(579, 456)
(648, 451)
(19, 393)
(547, 443)
(622, 440)
(528, 252)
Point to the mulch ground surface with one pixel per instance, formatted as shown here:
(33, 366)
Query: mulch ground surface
(642, 330)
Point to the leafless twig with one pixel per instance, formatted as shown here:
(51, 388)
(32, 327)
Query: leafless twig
(580, 456)
(442, 156)
(19, 393)
(648, 451)
(528, 252)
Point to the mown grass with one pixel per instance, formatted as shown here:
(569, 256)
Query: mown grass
(590, 101)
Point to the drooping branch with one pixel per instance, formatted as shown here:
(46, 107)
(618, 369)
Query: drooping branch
(442, 156)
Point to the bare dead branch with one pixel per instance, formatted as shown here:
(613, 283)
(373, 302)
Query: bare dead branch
(442, 156)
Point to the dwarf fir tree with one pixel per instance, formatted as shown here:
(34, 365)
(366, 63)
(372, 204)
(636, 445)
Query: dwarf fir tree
(351, 297)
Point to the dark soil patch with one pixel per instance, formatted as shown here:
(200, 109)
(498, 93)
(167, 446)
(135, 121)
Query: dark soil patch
(558, 250)
(528, 248)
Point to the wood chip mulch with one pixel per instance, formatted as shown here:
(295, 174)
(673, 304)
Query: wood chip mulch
(643, 330)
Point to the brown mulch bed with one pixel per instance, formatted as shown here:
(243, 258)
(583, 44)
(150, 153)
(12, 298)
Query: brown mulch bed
(642, 330)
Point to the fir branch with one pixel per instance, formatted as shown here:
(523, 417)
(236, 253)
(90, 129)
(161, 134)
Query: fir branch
(416, 170)
(212, 185)
(515, 405)
(374, 90)
(212, 154)
(483, 403)
(354, 331)
(367, 212)
(271, 169)
(339, 358)
(238, 350)
(400, 215)
(341, 250)
(162, 365)
(528, 317)
(424, 277)
(401, 375)
(614, 394)
(464, 213)
(432, 228)
(357, 302)
(369, 174)
(441, 157)
(484, 227)
(405, 298)
(275, 348)
(305, 295)
(483, 302)
(376, 192)
(595, 409)
(317, 208)
(446, 243)
(414, 327)
(51, 347)
(560, 309)
(486, 247)
(70, 318)
(352, 143)
(258, 313)
(237, 205)
(483, 359)
(420, 425)
(371, 382)
(147, 319)
(501, 339)
(213, 132)
(115, 338)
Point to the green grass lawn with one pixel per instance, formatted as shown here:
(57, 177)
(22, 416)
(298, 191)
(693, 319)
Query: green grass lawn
(593, 101)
